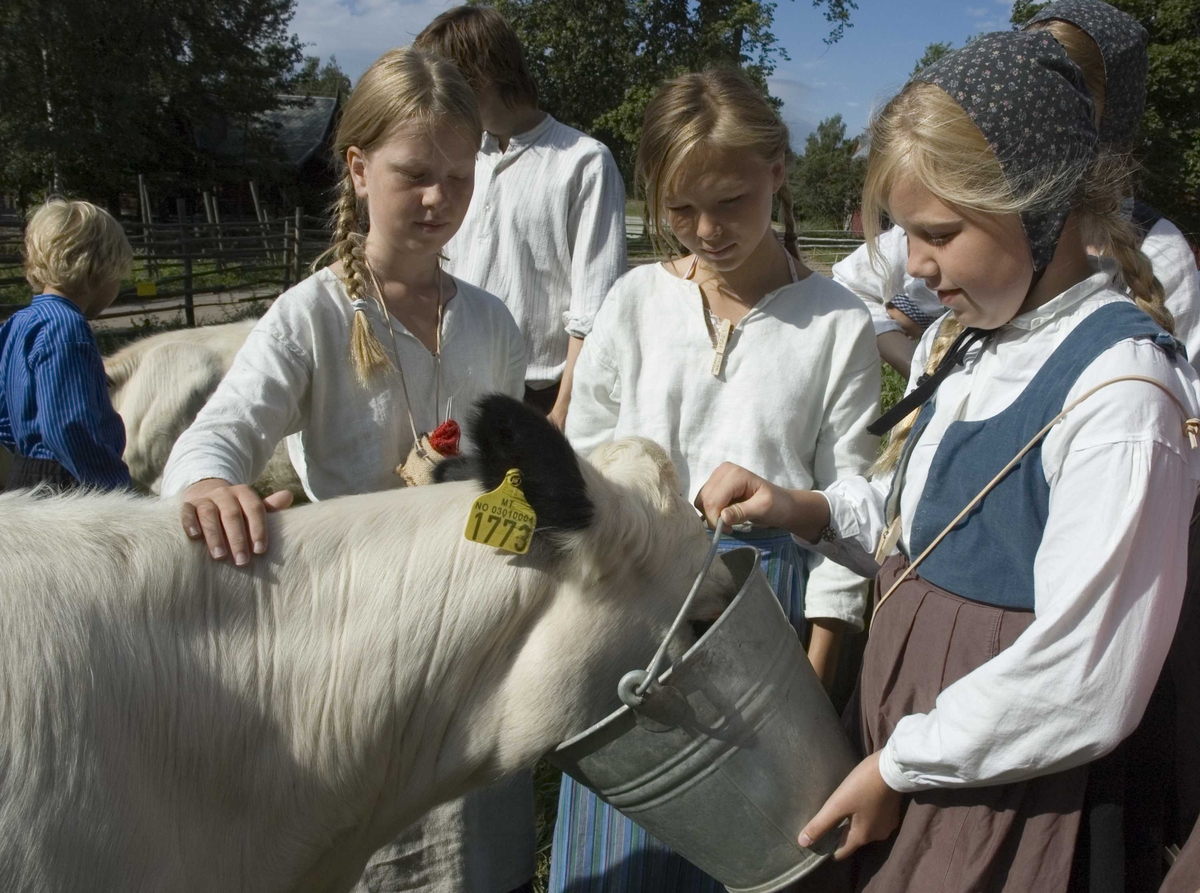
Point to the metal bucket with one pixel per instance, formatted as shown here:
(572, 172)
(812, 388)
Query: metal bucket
(732, 753)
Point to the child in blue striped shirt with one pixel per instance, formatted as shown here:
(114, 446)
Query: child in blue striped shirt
(55, 414)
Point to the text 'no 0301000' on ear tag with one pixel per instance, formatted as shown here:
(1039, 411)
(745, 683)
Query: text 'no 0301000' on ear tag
(502, 518)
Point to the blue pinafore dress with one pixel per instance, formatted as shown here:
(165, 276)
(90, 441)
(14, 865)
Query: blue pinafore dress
(971, 598)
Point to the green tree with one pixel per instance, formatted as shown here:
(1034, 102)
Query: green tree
(827, 179)
(932, 53)
(315, 79)
(598, 62)
(1169, 151)
(95, 91)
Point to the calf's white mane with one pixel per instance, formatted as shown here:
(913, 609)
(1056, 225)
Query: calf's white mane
(172, 723)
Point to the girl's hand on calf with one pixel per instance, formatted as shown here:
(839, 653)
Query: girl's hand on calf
(738, 495)
(231, 518)
(865, 799)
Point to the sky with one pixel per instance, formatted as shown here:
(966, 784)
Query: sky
(860, 72)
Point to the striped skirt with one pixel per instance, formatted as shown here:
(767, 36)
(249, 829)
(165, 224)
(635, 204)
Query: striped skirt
(598, 850)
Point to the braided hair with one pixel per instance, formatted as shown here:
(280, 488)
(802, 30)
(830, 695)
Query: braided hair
(402, 85)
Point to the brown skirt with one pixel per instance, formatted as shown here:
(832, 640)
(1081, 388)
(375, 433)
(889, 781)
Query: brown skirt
(1015, 837)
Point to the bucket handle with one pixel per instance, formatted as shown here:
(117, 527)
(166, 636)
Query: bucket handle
(633, 685)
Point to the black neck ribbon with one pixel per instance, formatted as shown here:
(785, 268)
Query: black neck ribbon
(929, 381)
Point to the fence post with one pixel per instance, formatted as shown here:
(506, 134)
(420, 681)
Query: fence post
(298, 243)
(189, 306)
(287, 244)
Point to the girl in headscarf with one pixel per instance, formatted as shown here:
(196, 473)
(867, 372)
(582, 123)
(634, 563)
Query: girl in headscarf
(1109, 46)
(1031, 512)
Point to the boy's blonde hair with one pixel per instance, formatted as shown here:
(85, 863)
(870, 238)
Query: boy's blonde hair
(924, 136)
(402, 86)
(718, 109)
(75, 248)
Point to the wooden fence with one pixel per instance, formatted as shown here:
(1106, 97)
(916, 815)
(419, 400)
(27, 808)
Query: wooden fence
(178, 266)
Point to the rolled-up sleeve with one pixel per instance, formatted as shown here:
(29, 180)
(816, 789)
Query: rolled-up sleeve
(597, 233)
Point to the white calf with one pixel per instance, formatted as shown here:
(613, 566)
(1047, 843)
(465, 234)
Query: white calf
(172, 723)
(158, 384)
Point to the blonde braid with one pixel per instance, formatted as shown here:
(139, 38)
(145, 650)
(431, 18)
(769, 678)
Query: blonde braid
(1105, 228)
(1136, 270)
(366, 353)
(787, 210)
(950, 329)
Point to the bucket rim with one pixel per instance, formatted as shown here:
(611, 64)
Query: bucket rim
(742, 553)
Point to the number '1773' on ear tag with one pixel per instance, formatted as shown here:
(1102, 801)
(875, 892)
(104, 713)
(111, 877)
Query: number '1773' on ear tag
(502, 518)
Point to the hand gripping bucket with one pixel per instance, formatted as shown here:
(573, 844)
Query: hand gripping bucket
(729, 754)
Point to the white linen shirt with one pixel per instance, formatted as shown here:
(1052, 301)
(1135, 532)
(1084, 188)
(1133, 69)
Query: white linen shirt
(876, 285)
(546, 233)
(799, 386)
(1109, 573)
(1165, 246)
(1175, 266)
(293, 377)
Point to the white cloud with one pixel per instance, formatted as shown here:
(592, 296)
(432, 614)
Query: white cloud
(359, 31)
(977, 12)
(798, 111)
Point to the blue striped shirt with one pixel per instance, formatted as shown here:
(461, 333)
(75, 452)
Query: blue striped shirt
(54, 397)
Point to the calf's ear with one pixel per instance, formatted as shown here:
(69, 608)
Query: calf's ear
(505, 434)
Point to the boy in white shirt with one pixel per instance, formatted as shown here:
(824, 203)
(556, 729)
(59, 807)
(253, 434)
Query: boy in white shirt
(546, 227)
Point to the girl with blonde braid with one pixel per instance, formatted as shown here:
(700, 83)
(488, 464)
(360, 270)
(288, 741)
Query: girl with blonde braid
(358, 360)
(1031, 514)
(355, 366)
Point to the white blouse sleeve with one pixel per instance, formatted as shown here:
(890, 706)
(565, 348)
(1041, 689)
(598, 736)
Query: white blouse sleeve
(858, 503)
(1175, 267)
(1108, 584)
(262, 399)
(596, 393)
(845, 448)
(876, 284)
(597, 231)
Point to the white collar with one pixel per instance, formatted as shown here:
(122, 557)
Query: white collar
(518, 141)
(1104, 274)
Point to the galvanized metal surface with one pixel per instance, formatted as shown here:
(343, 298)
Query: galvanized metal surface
(732, 752)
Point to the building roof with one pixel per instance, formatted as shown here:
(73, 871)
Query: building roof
(303, 123)
(298, 127)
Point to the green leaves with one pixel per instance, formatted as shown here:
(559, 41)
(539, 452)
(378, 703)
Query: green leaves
(95, 91)
(598, 62)
(827, 179)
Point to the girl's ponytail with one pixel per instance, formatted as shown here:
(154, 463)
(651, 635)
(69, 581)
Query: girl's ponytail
(787, 210)
(366, 353)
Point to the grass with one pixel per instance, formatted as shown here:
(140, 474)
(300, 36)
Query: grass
(893, 387)
(545, 803)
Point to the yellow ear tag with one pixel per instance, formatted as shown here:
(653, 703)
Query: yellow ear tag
(503, 518)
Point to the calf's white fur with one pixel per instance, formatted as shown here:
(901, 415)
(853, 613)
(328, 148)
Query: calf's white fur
(172, 723)
(158, 385)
